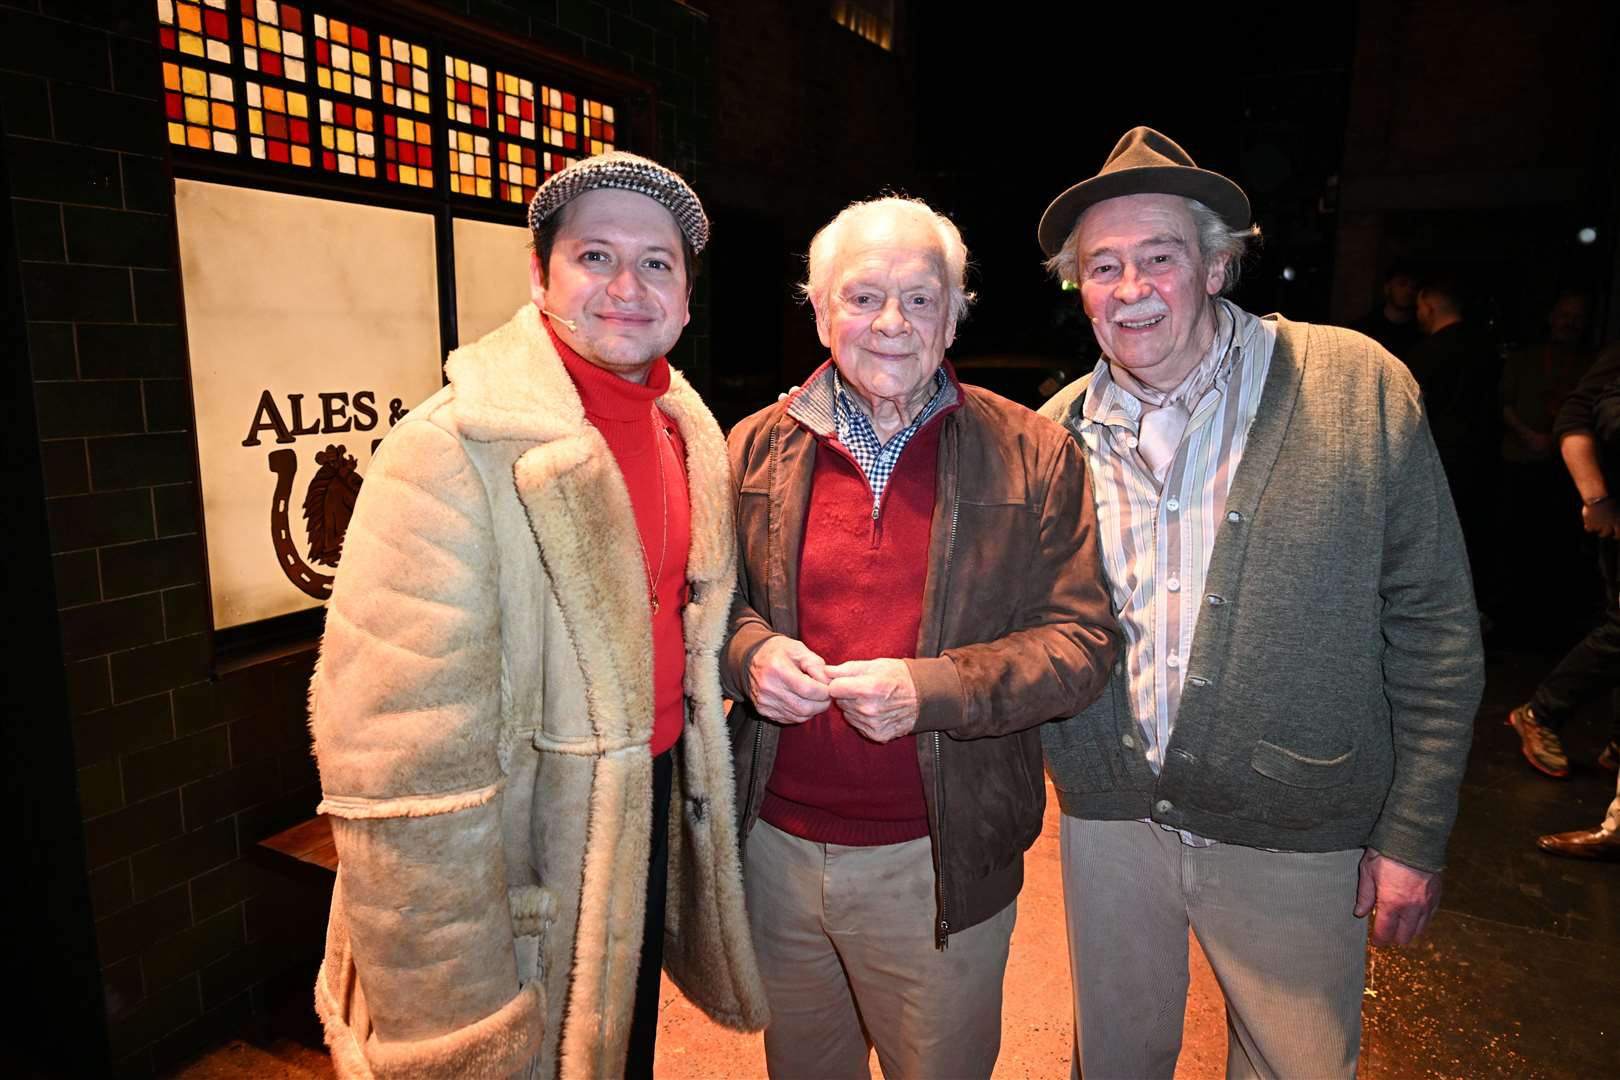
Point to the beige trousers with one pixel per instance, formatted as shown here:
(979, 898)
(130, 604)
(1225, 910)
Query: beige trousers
(845, 942)
(1277, 927)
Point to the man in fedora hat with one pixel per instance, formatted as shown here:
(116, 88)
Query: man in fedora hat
(517, 709)
(1279, 750)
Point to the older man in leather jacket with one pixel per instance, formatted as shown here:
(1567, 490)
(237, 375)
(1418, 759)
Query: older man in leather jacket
(920, 590)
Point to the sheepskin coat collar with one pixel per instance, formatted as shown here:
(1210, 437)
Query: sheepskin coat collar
(482, 711)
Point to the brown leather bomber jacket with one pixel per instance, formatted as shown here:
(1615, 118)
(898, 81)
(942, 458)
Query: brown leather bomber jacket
(1016, 626)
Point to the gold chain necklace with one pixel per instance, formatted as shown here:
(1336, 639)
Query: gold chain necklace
(663, 502)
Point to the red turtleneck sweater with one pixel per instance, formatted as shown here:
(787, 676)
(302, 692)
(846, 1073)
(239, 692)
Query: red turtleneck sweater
(635, 431)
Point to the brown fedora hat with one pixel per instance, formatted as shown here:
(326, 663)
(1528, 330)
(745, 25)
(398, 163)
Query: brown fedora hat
(1143, 162)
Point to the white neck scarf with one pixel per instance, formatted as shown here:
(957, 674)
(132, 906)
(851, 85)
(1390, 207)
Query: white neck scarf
(1165, 414)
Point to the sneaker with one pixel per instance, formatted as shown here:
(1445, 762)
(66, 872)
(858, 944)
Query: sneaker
(1540, 743)
(1610, 758)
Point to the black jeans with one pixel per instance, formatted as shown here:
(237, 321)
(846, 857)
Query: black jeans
(1593, 665)
(644, 1020)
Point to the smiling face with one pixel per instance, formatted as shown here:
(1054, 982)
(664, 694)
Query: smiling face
(617, 273)
(886, 312)
(1146, 285)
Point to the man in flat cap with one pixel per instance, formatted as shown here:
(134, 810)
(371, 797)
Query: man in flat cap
(517, 709)
(1279, 750)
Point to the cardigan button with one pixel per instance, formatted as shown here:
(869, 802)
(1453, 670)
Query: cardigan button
(1129, 741)
(1163, 806)
(1234, 516)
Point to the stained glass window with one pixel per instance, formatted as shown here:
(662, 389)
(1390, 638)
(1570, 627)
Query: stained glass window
(342, 57)
(562, 125)
(278, 124)
(273, 38)
(469, 164)
(466, 92)
(195, 28)
(348, 139)
(316, 91)
(407, 151)
(403, 71)
(514, 105)
(518, 172)
(598, 128)
(201, 108)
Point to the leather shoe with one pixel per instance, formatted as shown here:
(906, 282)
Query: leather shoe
(1600, 844)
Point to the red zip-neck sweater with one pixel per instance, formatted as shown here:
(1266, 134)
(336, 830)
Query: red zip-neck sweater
(634, 429)
(860, 598)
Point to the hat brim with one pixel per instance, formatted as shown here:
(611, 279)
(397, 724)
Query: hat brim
(1210, 188)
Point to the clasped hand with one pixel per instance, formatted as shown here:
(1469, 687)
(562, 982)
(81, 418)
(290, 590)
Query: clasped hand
(789, 684)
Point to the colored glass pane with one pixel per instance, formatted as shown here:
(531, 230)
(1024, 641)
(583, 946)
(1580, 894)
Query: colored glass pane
(466, 92)
(407, 150)
(342, 57)
(517, 171)
(554, 163)
(402, 73)
(278, 125)
(596, 127)
(470, 164)
(273, 39)
(197, 28)
(348, 139)
(201, 108)
(514, 106)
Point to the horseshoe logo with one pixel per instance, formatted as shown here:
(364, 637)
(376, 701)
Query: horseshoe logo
(327, 508)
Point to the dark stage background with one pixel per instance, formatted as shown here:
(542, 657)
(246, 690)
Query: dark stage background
(1479, 136)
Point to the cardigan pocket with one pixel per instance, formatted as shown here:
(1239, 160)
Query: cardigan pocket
(1296, 770)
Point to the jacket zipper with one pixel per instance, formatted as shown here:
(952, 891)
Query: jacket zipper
(753, 776)
(759, 725)
(942, 930)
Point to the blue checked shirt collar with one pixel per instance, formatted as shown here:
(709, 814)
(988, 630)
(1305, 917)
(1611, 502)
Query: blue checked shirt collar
(854, 431)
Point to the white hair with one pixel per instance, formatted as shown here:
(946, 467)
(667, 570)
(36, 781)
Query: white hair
(1216, 241)
(829, 240)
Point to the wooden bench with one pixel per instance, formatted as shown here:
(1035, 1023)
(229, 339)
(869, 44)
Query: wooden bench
(306, 849)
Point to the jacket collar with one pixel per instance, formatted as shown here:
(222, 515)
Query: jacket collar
(511, 385)
(815, 404)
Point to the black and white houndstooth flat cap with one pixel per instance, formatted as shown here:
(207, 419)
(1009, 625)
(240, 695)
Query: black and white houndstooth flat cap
(629, 172)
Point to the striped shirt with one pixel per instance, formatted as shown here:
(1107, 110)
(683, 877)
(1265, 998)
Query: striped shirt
(855, 432)
(1156, 541)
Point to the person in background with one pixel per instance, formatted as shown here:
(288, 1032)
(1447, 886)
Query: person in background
(1539, 575)
(1588, 434)
(1393, 322)
(1457, 366)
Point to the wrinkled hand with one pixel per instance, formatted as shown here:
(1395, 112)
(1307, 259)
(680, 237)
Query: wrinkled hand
(787, 682)
(877, 697)
(1603, 519)
(1404, 898)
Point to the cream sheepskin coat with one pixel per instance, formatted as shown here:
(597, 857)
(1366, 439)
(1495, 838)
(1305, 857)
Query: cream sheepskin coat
(482, 710)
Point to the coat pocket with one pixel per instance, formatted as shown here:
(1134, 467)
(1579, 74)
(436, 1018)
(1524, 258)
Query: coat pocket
(1296, 770)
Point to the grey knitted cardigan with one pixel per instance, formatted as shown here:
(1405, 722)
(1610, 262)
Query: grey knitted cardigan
(1336, 666)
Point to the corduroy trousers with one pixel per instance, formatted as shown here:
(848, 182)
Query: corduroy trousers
(845, 942)
(1277, 928)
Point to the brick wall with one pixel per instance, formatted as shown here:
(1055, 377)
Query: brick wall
(178, 774)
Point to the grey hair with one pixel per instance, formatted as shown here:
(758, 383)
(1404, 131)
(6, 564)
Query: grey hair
(1216, 241)
(829, 239)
